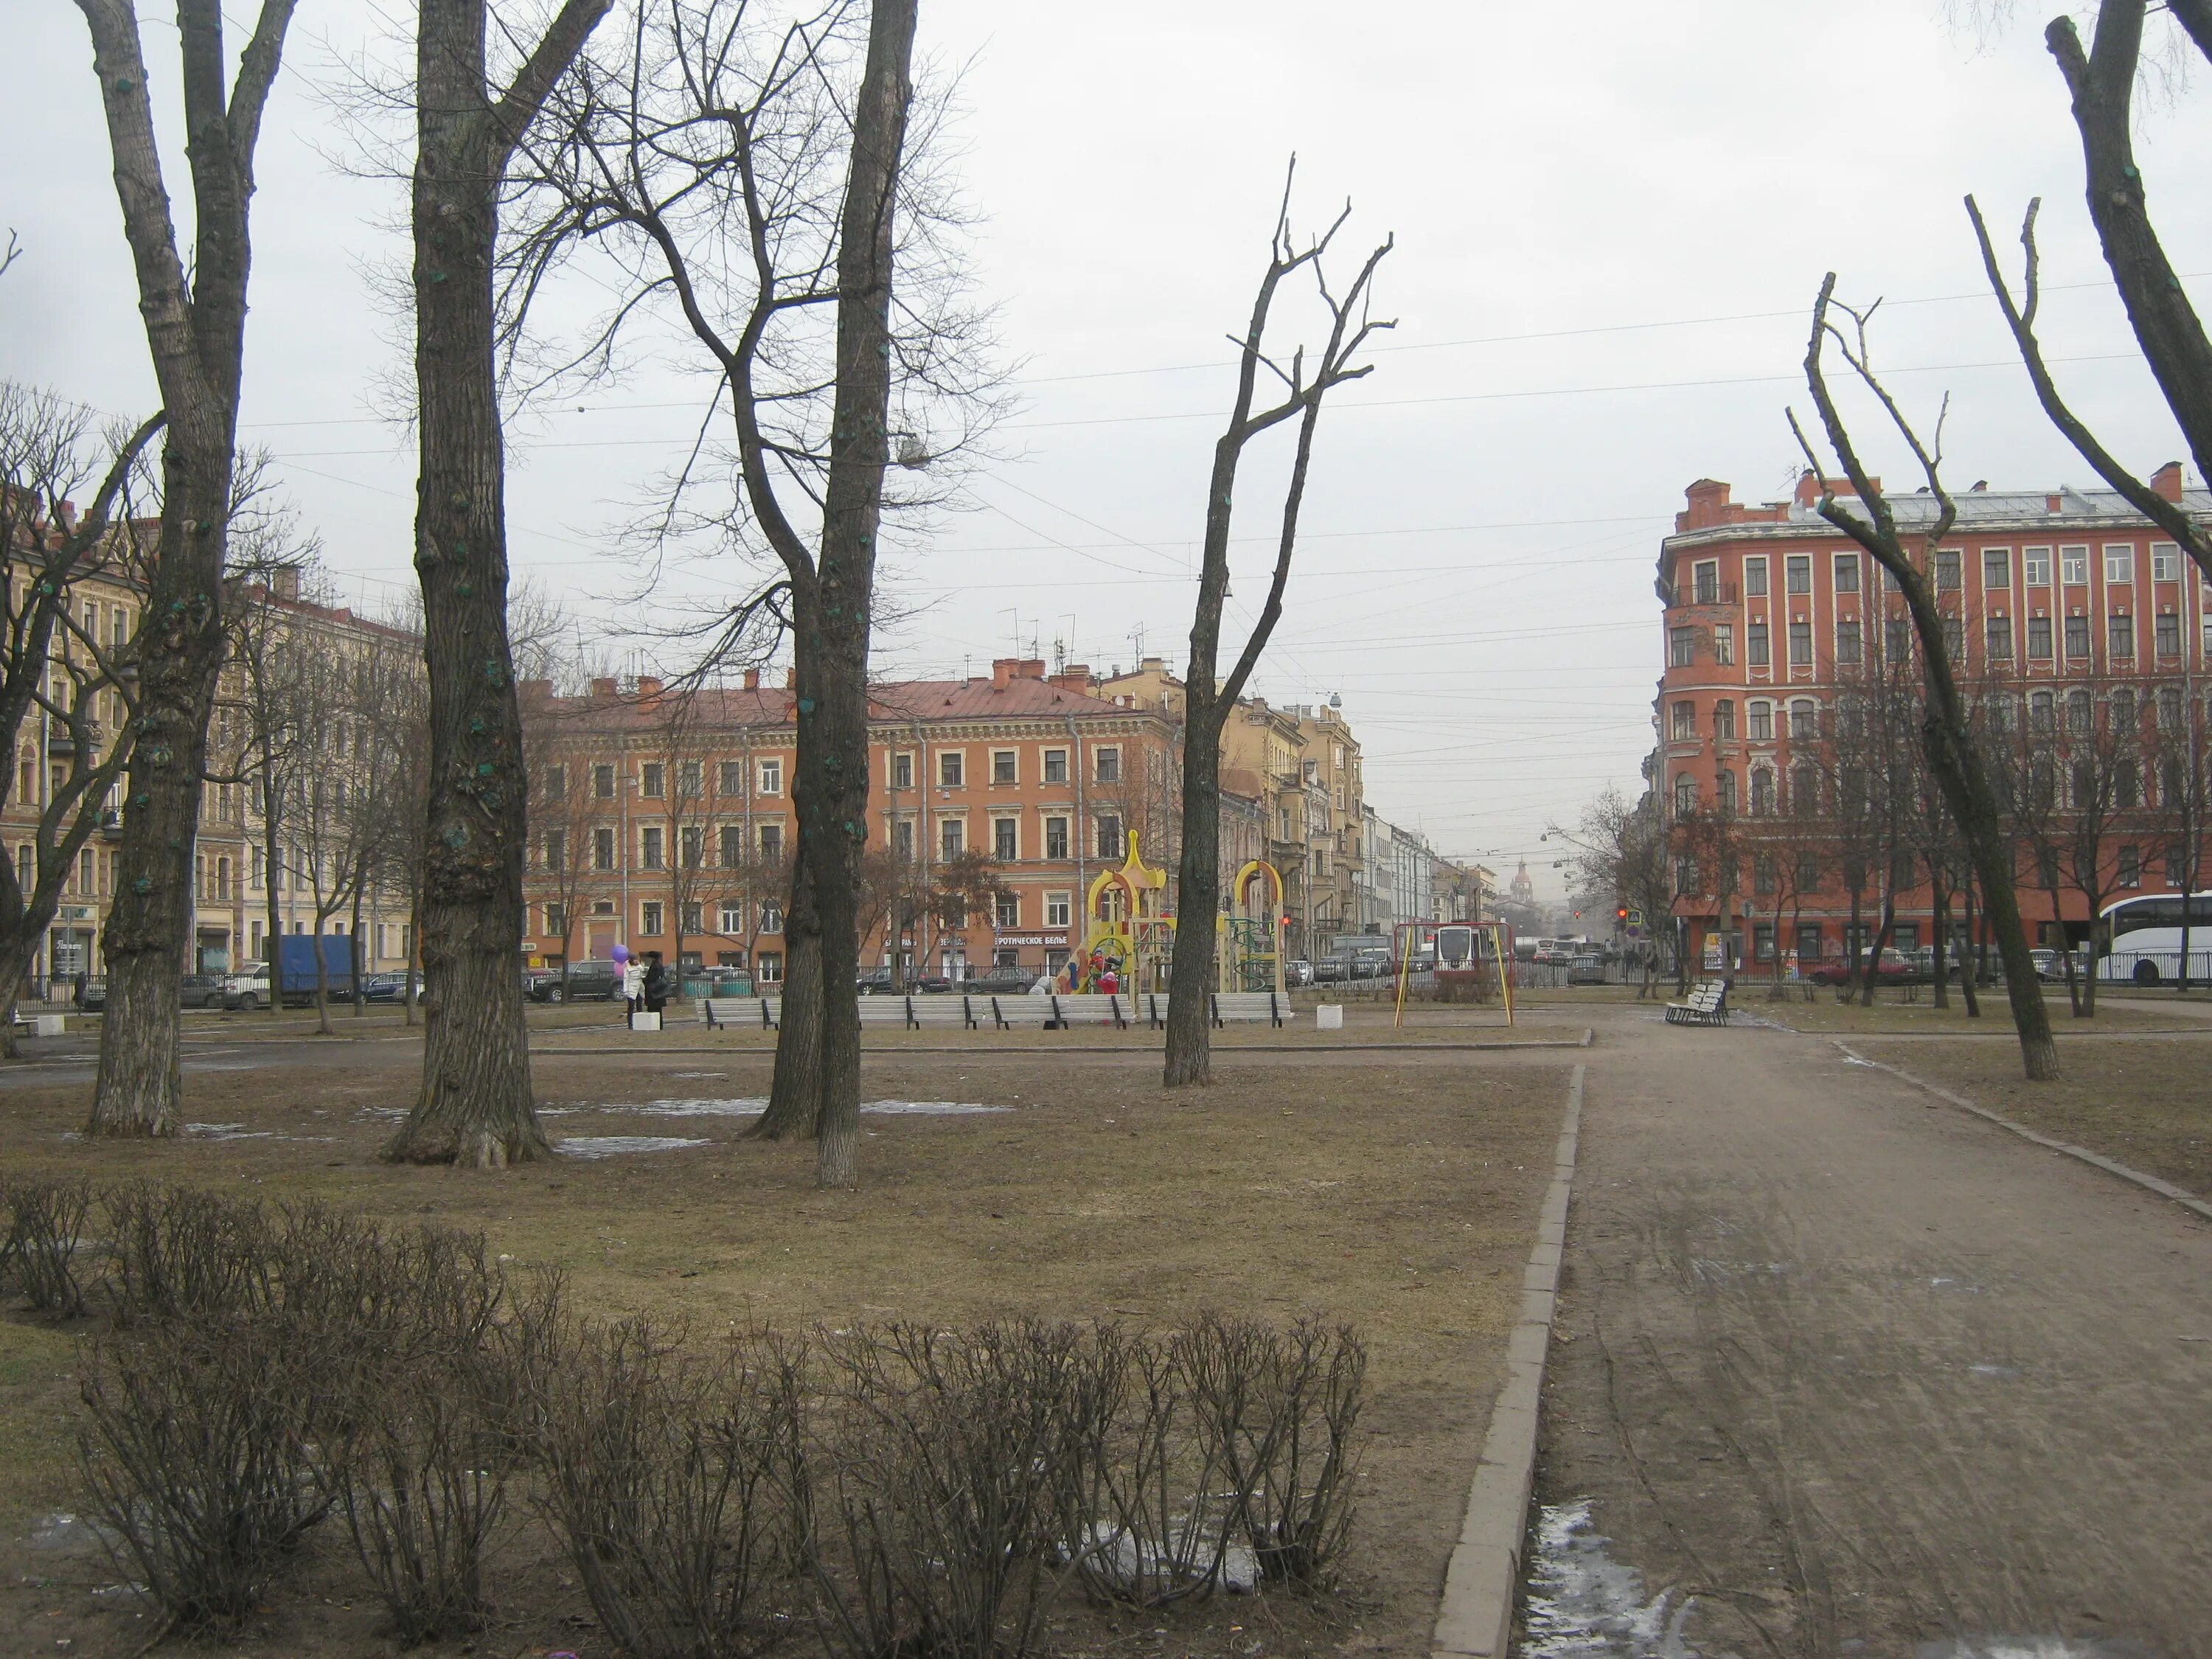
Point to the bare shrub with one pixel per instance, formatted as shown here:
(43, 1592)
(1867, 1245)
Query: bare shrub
(422, 1501)
(45, 1242)
(945, 1484)
(196, 1461)
(175, 1251)
(666, 1479)
(1280, 1413)
(1144, 1517)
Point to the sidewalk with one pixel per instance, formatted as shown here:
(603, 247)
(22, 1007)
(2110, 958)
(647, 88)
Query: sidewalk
(1858, 1373)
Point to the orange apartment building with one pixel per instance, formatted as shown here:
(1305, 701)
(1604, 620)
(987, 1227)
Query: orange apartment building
(663, 821)
(2062, 600)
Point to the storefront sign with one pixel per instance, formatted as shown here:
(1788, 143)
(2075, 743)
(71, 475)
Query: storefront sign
(1031, 939)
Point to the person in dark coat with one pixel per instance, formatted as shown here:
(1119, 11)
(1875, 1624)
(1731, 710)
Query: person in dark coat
(656, 983)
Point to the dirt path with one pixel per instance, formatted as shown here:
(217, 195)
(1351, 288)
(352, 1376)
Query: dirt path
(1855, 1374)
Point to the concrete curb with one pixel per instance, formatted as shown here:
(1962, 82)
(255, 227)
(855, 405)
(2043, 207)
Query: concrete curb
(1582, 1042)
(2153, 1183)
(1482, 1584)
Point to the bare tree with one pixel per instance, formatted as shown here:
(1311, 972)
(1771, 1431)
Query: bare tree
(1953, 754)
(1621, 845)
(475, 1107)
(196, 333)
(55, 667)
(2182, 757)
(1210, 697)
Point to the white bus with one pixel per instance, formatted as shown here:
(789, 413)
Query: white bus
(2139, 939)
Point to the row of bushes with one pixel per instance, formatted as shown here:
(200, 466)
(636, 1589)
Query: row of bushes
(902, 1490)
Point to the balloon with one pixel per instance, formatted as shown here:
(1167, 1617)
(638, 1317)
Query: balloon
(620, 953)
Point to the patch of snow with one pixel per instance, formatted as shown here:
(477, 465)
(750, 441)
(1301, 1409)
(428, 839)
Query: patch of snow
(754, 1105)
(926, 1108)
(226, 1131)
(1582, 1604)
(615, 1145)
(2031, 1647)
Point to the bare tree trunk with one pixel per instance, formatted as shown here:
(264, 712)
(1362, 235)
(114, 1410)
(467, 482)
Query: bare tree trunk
(360, 1001)
(794, 1100)
(1968, 968)
(475, 1107)
(1873, 969)
(1940, 917)
(196, 331)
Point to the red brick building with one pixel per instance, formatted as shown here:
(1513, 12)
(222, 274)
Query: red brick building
(2068, 613)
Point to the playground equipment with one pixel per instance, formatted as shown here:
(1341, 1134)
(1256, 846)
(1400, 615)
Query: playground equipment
(1472, 959)
(1126, 929)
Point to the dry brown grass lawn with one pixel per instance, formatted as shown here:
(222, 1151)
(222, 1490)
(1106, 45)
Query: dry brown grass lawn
(1402, 1200)
(2147, 1104)
(1892, 1014)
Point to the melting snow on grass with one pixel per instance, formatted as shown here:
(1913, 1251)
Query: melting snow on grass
(753, 1106)
(615, 1145)
(1582, 1604)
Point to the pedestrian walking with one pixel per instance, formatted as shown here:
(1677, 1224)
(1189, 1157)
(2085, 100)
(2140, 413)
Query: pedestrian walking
(654, 987)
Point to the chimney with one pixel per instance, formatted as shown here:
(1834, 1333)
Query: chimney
(284, 583)
(2054, 503)
(1707, 505)
(1002, 673)
(603, 687)
(791, 678)
(1152, 666)
(1031, 668)
(2166, 481)
(1076, 677)
(752, 679)
(534, 690)
(648, 688)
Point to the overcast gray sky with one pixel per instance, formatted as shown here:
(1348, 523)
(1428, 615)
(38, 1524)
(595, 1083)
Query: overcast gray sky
(1611, 221)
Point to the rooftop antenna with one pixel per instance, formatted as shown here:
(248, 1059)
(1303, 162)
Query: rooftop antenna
(1136, 640)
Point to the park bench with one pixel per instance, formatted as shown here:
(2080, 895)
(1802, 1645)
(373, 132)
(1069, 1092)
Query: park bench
(1707, 1006)
(1091, 1008)
(1010, 1014)
(1250, 1004)
(740, 1012)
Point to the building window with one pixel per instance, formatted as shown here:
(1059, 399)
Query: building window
(2119, 565)
(1847, 643)
(2168, 635)
(1804, 791)
(1997, 638)
(650, 850)
(951, 837)
(1764, 877)
(732, 775)
(2130, 862)
(651, 782)
(2081, 713)
(2120, 634)
(1724, 644)
(771, 777)
(2169, 709)
(556, 924)
(1109, 765)
(1002, 766)
(1762, 793)
(1003, 837)
(1801, 644)
(603, 782)
(1954, 638)
(771, 842)
(649, 918)
(556, 783)
(689, 780)
(1724, 792)
(691, 842)
(1762, 722)
(2038, 639)
(1724, 719)
(1682, 647)
(1109, 835)
(1006, 909)
(1754, 578)
(903, 840)
(771, 967)
(2165, 562)
(1705, 581)
(901, 771)
(1798, 572)
(692, 916)
(732, 917)
(1055, 766)
(2077, 637)
(771, 916)
(732, 845)
(2035, 566)
(1754, 644)
(1847, 573)
(951, 769)
(1804, 721)
(1686, 875)
(1686, 795)
(1897, 639)
(1685, 721)
(2042, 712)
(556, 850)
(1055, 838)
(2074, 566)
(1947, 570)
(603, 849)
(1056, 909)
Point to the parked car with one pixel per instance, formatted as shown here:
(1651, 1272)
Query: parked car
(587, 982)
(930, 984)
(1001, 982)
(2051, 965)
(248, 990)
(91, 995)
(879, 983)
(724, 983)
(388, 988)
(1894, 968)
(200, 991)
(1297, 971)
(1330, 970)
(1586, 970)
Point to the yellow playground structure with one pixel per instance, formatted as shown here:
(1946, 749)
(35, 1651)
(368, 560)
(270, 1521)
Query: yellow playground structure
(1128, 931)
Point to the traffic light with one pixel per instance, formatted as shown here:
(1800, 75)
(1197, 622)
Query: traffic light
(1621, 915)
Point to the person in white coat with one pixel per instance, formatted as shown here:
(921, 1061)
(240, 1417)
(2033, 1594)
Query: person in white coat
(634, 984)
